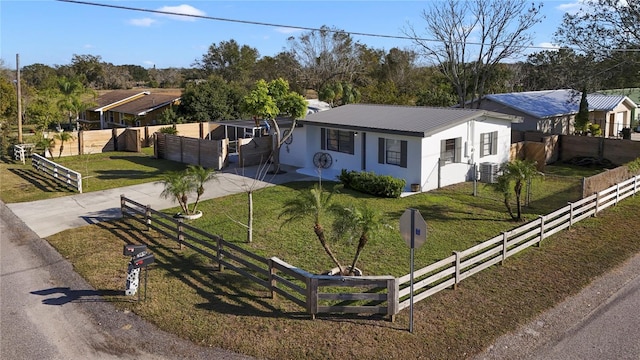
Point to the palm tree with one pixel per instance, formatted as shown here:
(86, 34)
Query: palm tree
(312, 203)
(200, 175)
(362, 222)
(63, 137)
(45, 144)
(178, 185)
(518, 172)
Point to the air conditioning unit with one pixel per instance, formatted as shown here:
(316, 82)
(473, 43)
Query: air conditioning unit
(489, 172)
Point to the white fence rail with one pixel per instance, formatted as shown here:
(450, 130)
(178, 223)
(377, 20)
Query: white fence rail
(68, 177)
(450, 271)
(22, 151)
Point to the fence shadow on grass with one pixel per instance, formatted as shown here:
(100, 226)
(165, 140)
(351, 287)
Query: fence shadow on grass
(223, 292)
(41, 182)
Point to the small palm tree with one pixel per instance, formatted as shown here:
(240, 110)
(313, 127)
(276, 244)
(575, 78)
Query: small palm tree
(200, 176)
(518, 173)
(45, 144)
(63, 137)
(178, 185)
(362, 222)
(312, 203)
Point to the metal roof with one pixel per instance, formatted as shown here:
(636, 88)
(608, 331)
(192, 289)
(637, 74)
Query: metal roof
(553, 103)
(406, 120)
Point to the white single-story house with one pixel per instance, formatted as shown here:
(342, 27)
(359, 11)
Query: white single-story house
(554, 111)
(429, 147)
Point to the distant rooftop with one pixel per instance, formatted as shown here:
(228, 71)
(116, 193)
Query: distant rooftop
(552, 103)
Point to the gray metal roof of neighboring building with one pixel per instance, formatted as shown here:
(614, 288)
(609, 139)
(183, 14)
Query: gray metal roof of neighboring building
(552, 103)
(406, 120)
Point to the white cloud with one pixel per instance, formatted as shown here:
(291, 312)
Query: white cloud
(88, 46)
(287, 30)
(571, 8)
(182, 9)
(548, 46)
(149, 63)
(144, 22)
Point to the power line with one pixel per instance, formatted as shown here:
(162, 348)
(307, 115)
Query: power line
(259, 23)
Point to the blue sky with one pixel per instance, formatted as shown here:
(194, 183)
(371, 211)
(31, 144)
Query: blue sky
(50, 32)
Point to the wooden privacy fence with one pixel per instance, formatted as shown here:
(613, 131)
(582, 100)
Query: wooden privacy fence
(68, 177)
(363, 294)
(374, 294)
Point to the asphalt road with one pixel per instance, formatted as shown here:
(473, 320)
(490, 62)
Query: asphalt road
(600, 322)
(47, 311)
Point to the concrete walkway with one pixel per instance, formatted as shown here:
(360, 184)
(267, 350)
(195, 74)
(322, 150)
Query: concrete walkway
(48, 217)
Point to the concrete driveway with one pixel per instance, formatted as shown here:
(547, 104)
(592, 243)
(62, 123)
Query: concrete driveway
(48, 217)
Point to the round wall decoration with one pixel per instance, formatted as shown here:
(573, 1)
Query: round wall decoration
(322, 160)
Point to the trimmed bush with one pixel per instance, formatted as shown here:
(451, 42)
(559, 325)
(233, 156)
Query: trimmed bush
(370, 183)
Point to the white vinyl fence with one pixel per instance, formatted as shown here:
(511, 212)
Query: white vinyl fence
(68, 177)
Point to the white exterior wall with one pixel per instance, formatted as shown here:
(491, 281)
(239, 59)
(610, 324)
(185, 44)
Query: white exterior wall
(295, 154)
(422, 153)
(411, 174)
(470, 152)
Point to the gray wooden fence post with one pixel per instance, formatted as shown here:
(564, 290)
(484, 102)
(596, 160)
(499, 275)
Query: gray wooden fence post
(595, 213)
(122, 203)
(219, 254)
(180, 232)
(635, 185)
(457, 273)
(617, 193)
(505, 238)
(272, 278)
(541, 230)
(312, 296)
(570, 214)
(393, 302)
(147, 217)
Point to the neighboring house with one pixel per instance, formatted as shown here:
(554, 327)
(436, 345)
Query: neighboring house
(124, 108)
(554, 111)
(429, 147)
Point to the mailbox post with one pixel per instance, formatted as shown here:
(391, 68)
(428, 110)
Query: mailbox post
(140, 257)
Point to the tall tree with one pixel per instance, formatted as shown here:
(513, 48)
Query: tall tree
(88, 68)
(230, 61)
(602, 25)
(582, 118)
(211, 100)
(502, 32)
(327, 54)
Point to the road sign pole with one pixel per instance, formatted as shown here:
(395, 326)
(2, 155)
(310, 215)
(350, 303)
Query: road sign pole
(413, 237)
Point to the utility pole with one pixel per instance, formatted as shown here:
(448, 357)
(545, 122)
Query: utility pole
(19, 90)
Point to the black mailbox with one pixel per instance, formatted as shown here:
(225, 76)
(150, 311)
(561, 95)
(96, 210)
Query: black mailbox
(133, 250)
(142, 260)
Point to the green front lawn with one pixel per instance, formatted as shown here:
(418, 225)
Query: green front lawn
(20, 183)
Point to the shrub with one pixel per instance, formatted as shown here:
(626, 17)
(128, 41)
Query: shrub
(170, 130)
(370, 183)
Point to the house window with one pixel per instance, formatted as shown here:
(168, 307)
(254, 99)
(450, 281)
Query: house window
(337, 140)
(392, 152)
(450, 151)
(488, 143)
